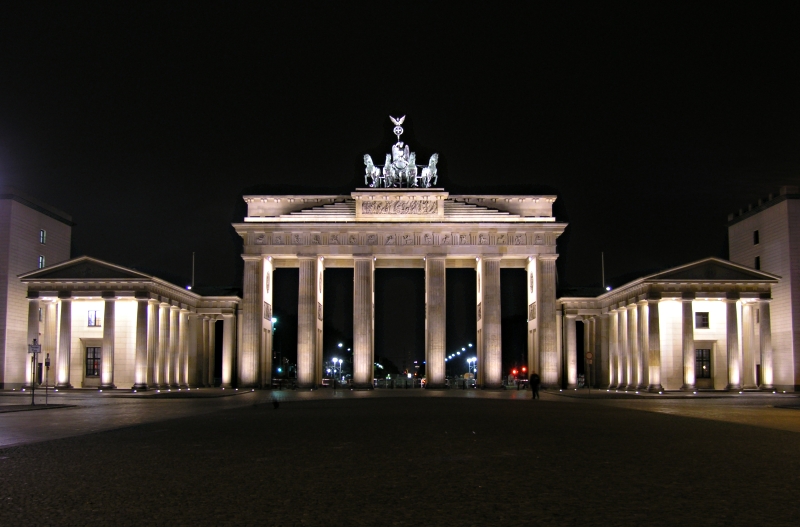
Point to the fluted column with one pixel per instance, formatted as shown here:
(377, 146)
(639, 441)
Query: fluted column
(252, 321)
(33, 334)
(548, 351)
(734, 364)
(765, 330)
(183, 349)
(173, 349)
(50, 336)
(109, 331)
(688, 343)
(572, 352)
(531, 271)
(492, 330)
(749, 381)
(64, 341)
(140, 359)
(211, 351)
(633, 348)
(318, 317)
(643, 381)
(622, 348)
(603, 356)
(587, 347)
(194, 354)
(307, 323)
(228, 332)
(479, 365)
(435, 295)
(267, 329)
(154, 320)
(162, 363)
(363, 309)
(654, 345)
(613, 348)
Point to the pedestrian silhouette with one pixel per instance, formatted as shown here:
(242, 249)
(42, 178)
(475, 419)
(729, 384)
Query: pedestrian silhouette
(534, 382)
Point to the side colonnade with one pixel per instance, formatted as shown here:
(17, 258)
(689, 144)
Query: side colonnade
(675, 330)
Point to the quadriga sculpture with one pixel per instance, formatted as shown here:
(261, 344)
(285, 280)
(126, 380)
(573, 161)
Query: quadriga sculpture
(372, 174)
(429, 175)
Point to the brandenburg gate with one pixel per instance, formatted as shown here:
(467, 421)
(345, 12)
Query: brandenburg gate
(398, 220)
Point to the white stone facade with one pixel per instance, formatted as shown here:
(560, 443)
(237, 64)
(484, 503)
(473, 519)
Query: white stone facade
(29, 230)
(147, 333)
(770, 231)
(704, 325)
(379, 228)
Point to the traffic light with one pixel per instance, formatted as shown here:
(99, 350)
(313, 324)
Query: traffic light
(514, 371)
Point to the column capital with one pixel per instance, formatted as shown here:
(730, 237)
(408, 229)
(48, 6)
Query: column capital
(33, 295)
(108, 295)
(547, 257)
(687, 296)
(65, 295)
(732, 295)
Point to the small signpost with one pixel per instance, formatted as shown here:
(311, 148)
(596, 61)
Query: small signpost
(46, 376)
(34, 349)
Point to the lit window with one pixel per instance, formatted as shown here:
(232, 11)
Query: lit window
(701, 320)
(42, 236)
(94, 322)
(702, 364)
(92, 362)
(758, 263)
(41, 261)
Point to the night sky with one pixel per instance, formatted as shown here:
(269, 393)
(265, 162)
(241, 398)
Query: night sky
(147, 124)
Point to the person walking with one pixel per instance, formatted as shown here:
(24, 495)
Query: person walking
(534, 382)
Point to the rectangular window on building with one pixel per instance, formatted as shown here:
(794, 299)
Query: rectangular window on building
(42, 236)
(701, 320)
(757, 263)
(94, 322)
(755, 237)
(41, 261)
(702, 364)
(92, 362)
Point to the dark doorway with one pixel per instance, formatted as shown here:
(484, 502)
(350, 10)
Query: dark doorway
(286, 285)
(400, 316)
(513, 310)
(461, 319)
(338, 318)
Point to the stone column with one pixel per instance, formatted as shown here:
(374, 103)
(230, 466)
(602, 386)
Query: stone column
(194, 354)
(307, 323)
(613, 350)
(749, 381)
(211, 351)
(492, 330)
(64, 341)
(654, 345)
(318, 317)
(531, 271)
(435, 297)
(688, 343)
(183, 349)
(109, 331)
(162, 359)
(140, 359)
(265, 353)
(33, 334)
(252, 320)
(644, 358)
(174, 347)
(765, 331)
(623, 353)
(572, 352)
(228, 332)
(153, 332)
(50, 337)
(363, 352)
(634, 365)
(480, 364)
(734, 365)
(548, 352)
(603, 355)
(587, 347)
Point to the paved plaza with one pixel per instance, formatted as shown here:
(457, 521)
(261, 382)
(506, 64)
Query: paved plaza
(400, 457)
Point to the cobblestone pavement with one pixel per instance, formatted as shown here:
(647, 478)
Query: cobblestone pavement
(401, 457)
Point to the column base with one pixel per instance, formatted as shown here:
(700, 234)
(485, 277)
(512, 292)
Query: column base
(228, 385)
(140, 387)
(688, 388)
(183, 386)
(111, 386)
(733, 387)
(750, 387)
(655, 388)
(572, 386)
(64, 386)
(766, 387)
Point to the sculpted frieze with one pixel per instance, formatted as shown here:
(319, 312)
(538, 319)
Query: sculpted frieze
(422, 206)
